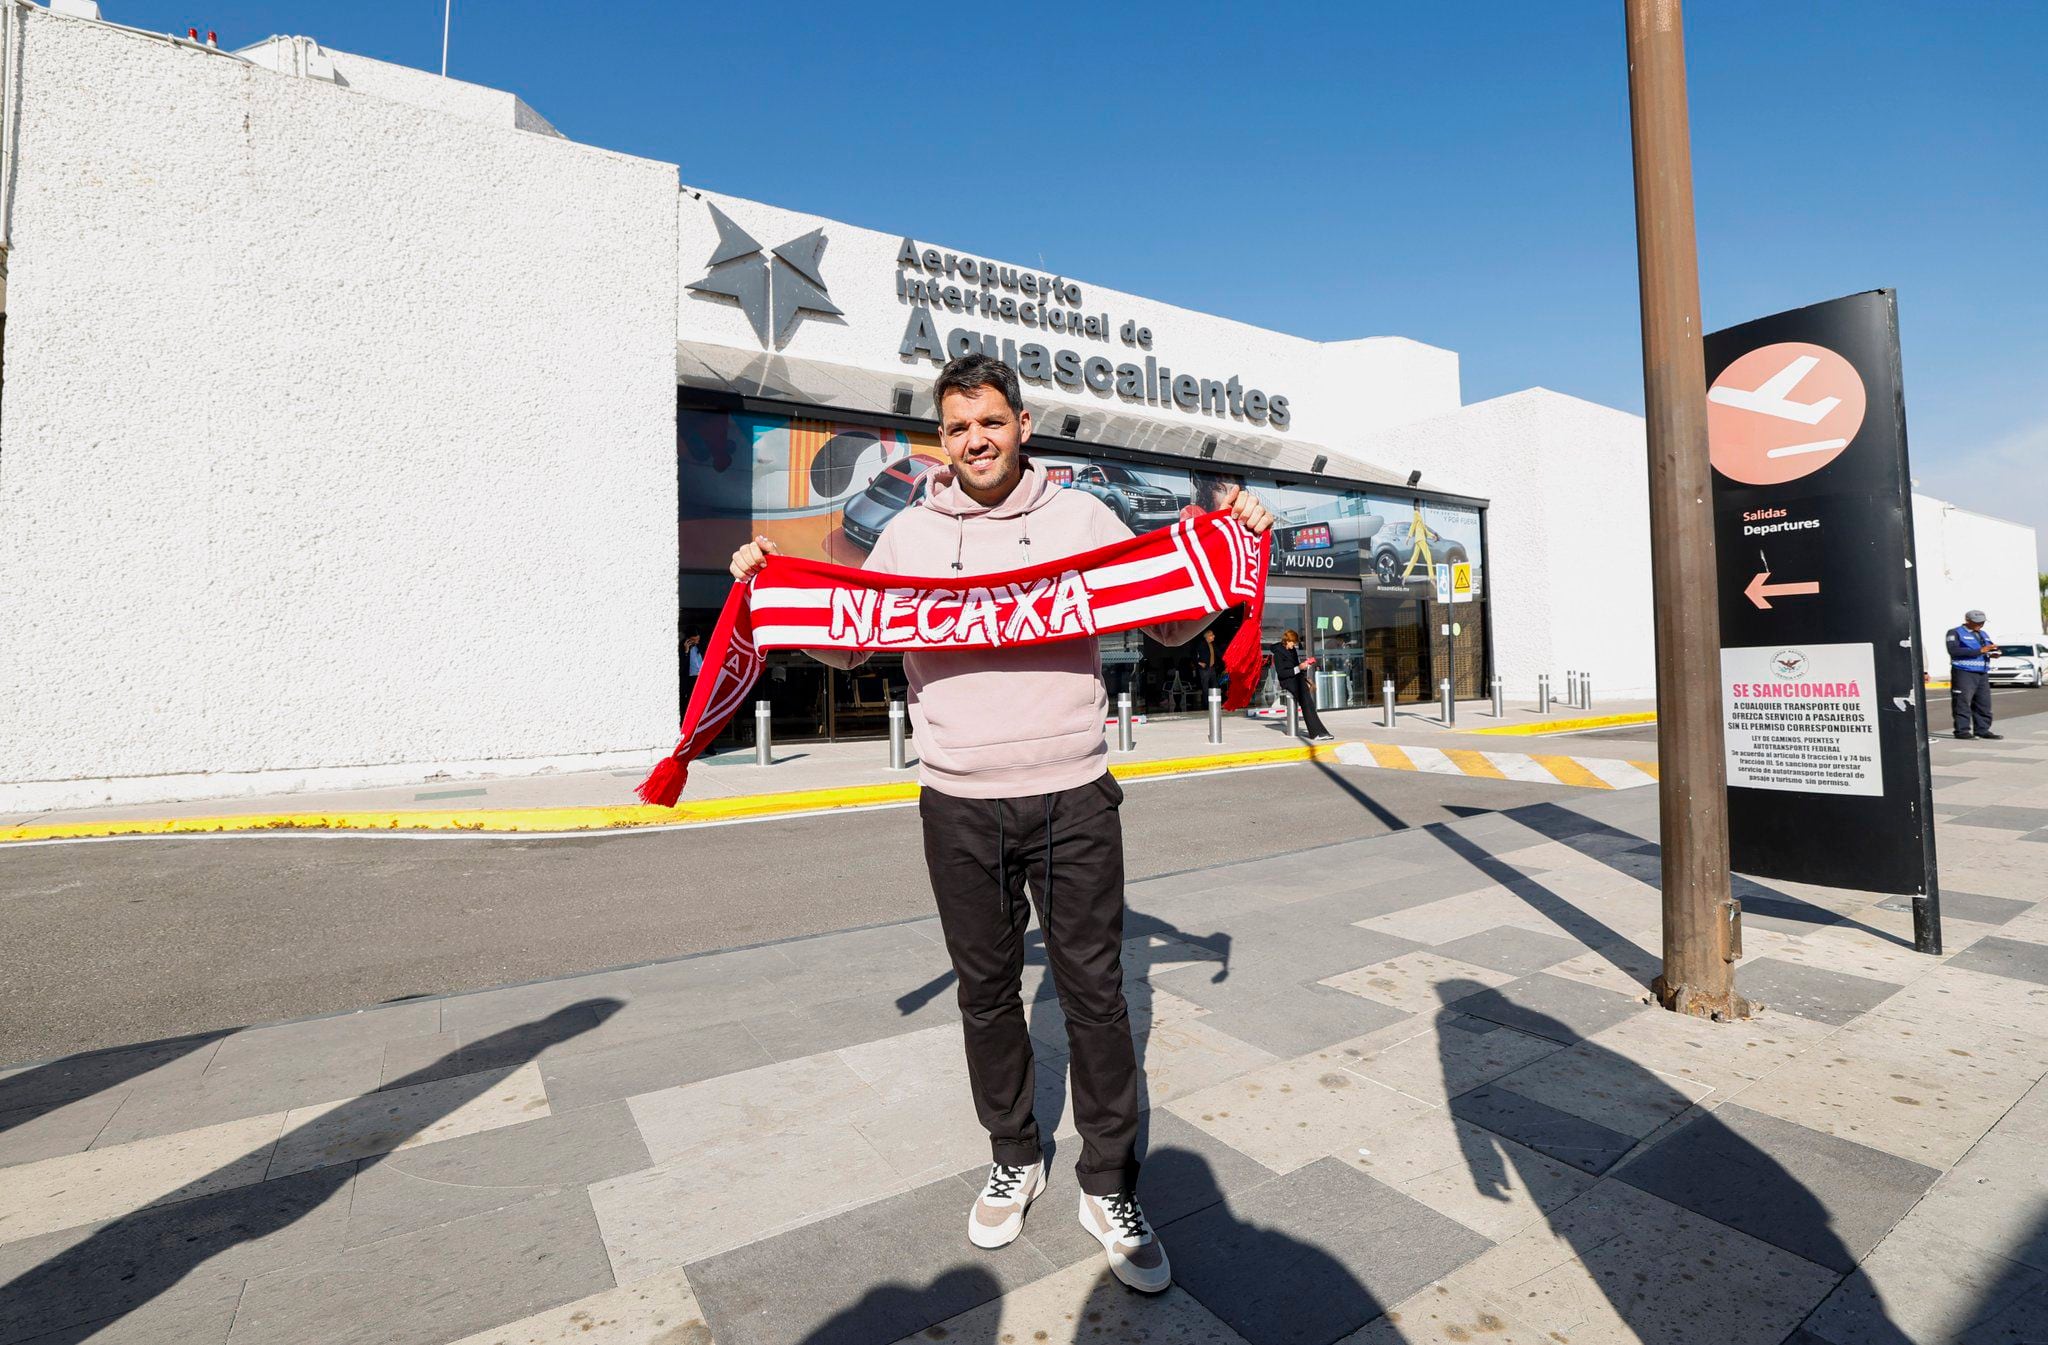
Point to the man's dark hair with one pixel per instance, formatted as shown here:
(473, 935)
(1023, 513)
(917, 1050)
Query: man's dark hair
(969, 373)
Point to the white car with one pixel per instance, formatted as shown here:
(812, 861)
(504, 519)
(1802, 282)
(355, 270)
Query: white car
(2020, 665)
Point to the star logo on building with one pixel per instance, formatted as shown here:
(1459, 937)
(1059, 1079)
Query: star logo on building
(773, 291)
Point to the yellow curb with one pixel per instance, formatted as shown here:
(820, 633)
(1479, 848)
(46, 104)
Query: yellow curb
(599, 818)
(1549, 726)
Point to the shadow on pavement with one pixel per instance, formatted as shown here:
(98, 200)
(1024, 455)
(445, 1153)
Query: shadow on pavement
(1627, 853)
(889, 1312)
(41, 1089)
(1703, 1165)
(129, 1261)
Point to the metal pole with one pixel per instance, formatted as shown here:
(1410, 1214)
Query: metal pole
(1543, 693)
(1125, 742)
(1450, 709)
(1585, 691)
(899, 758)
(1387, 702)
(1500, 703)
(764, 735)
(1291, 729)
(1216, 715)
(447, 9)
(1571, 687)
(1692, 788)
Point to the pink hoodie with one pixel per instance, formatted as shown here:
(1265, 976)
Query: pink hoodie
(1004, 723)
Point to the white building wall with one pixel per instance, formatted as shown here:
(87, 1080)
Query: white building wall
(330, 426)
(1337, 391)
(1568, 537)
(401, 83)
(1971, 561)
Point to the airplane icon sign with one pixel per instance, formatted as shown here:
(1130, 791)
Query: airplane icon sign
(1757, 432)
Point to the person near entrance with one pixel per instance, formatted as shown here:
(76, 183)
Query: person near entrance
(1293, 671)
(1018, 807)
(1970, 651)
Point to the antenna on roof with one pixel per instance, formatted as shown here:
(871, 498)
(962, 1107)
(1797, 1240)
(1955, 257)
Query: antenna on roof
(447, 8)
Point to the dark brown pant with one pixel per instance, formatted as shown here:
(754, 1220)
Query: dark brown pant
(1070, 848)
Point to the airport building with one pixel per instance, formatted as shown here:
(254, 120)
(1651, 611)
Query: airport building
(357, 425)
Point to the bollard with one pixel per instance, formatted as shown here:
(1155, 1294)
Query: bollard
(1124, 739)
(1571, 686)
(1585, 691)
(764, 735)
(1292, 730)
(1500, 703)
(1543, 693)
(1216, 716)
(898, 757)
(1450, 708)
(1387, 703)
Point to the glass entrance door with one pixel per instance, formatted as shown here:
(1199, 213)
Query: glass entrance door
(1335, 640)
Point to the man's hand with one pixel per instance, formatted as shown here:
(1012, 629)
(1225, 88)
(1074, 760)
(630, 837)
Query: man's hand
(751, 557)
(1246, 509)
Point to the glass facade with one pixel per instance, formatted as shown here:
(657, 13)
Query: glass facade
(1354, 569)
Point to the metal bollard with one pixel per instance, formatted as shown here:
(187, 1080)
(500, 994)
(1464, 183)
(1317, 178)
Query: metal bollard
(1571, 686)
(764, 734)
(1585, 691)
(1293, 730)
(1450, 706)
(1543, 693)
(1125, 741)
(1500, 703)
(1387, 703)
(1216, 715)
(899, 758)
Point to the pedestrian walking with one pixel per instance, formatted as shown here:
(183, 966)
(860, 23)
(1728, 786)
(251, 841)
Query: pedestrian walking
(1018, 807)
(1209, 664)
(1970, 651)
(1293, 671)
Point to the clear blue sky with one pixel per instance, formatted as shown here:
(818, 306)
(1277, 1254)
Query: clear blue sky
(1456, 174)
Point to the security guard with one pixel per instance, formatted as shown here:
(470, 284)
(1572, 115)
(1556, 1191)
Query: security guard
(1970, 652)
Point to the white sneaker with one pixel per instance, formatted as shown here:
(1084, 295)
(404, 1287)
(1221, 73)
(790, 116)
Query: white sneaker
(1135, 1256)
(998, 1216)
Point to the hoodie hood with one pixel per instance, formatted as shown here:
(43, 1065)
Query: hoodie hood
(1034, 490)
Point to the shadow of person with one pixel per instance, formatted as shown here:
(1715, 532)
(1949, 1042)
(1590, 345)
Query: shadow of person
(1266, 1284)
(1702, 1164)
(890, 1312)
(41, 1089)
(131, 1260)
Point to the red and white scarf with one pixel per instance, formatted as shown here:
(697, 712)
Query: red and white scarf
(1197, 566)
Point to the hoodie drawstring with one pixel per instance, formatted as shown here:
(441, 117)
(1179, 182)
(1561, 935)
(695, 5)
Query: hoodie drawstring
(959, 539)
(1045, 897)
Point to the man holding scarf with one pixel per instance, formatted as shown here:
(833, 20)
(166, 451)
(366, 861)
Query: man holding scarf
(1019, 807)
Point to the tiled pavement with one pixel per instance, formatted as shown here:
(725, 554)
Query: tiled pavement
(1405, 1089)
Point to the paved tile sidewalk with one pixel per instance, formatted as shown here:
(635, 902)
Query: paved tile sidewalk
(1404, 1089)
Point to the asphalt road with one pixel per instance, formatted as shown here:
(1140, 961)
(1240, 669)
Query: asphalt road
(136, 940)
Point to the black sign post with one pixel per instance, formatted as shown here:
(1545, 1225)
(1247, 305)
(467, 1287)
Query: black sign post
(1820, 632)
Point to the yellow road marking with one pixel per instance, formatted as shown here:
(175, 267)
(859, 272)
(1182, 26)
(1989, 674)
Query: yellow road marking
(1390, 757)
(489, 821)
(1474, 763)
(1570, 772)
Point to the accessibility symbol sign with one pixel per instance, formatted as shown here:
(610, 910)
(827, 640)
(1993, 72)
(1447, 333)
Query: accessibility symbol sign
(1781, 412)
